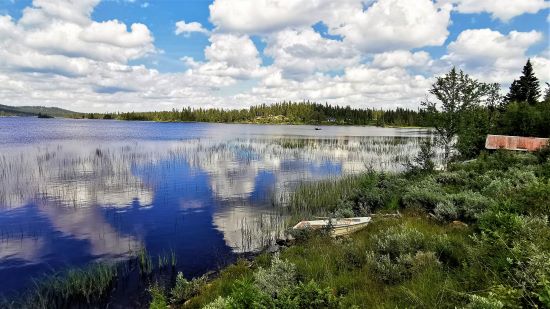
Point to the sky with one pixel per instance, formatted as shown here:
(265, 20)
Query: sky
(143, 55)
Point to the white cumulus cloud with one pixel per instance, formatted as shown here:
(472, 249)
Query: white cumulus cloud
(501, 9)
(303, 52)
(187, 28)
(493, 56)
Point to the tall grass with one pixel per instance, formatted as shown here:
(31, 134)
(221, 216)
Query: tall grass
(75, 287)
(321, 197)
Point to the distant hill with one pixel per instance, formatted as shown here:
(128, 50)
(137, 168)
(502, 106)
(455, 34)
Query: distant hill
(31, 111)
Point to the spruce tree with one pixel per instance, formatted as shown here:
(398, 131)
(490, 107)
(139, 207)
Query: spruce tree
(527, 88)
(515, 94)
(530, 84)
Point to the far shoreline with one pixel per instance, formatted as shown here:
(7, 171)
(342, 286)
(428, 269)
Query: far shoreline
(248, 123)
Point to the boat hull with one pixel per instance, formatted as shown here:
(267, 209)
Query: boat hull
(340, 227)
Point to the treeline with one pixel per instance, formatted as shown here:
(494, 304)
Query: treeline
(282, 113)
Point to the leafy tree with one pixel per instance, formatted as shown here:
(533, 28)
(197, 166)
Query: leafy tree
(475, 125)
(527, 88)
(493, 101)
(455, 94)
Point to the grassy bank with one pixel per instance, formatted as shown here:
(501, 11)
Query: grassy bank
(474, 236)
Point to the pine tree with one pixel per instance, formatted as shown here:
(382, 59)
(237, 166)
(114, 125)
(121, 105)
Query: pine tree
(527, 88)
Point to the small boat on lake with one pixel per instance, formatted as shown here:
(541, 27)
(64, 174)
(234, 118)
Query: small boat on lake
(338, 227)
(318, 129)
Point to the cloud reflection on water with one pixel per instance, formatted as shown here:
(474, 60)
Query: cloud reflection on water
(106, 198)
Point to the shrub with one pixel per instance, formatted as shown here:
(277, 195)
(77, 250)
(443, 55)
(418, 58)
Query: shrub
(395, 270)
(498, 188)
(543, 154)
(344, 209)
(276, 279)
(158, 299)
(446, 211)
(385, 269)
(398, 253)
(450, 251)
(399, 240)
(184, 289)
(351, 256)
(365, 202)
(521, 177)
(533, 199)
(470, 204)
(425, 195)
(245, 294)
(219, 303)
(459, 177)
(423, 260)
(305, 296)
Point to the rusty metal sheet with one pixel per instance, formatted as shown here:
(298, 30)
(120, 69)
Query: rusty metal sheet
(518, 143)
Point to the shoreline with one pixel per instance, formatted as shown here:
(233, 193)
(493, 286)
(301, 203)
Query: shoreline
(248, 123)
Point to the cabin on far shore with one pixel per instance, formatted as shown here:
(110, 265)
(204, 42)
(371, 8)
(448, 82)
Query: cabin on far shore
(518, 143)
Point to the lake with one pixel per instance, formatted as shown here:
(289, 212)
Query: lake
(77, 191)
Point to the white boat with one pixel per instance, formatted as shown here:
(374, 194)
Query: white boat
(339, 227)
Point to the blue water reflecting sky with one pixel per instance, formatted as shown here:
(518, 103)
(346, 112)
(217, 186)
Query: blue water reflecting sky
(76, 191)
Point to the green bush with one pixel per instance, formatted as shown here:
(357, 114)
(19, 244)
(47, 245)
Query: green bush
(533, 199)
(307, 296)
(398, 253)
(399, 240)
(498, 188)
(446, 211)
(219, 303)
(245, 295)
(158, 299)
(423, 196)
(457, 178)
(386, 269)
(184, 289)
(344, 209)
(276, 279)
(395, 270)
(470, 204)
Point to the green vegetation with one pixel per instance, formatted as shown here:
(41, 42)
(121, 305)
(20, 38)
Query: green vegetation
(184, 289)
(158, 299)
(475, 234)
(37, 111)
(282, 113)
(87, 286)
(465, 111)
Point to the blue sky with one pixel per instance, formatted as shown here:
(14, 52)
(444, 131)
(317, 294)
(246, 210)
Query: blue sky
(372, 53)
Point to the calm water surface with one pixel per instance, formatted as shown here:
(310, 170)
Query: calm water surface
(77, 191)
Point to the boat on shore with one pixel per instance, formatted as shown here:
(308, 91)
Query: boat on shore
(338, 227)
